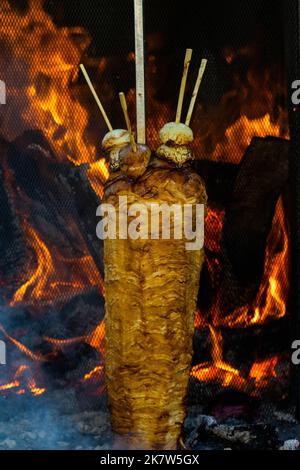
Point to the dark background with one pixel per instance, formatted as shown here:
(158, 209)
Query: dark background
(183, 22)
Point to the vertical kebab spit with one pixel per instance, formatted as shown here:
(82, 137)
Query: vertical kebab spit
(151, 289)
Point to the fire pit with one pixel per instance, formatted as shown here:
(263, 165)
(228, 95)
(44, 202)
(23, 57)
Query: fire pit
(243, 391)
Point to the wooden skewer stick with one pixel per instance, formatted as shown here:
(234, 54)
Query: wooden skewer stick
(105, 117)
(140, 70)
(187, 60)
(195, 92)
(127, 119)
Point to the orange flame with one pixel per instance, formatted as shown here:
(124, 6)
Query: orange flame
(97, 372)
(30, 383)
(39, 278)
(52, 60)
(239, 135)
(262, 370)
(21, 347)
(50, 277)
(95, 339)
(270, 301)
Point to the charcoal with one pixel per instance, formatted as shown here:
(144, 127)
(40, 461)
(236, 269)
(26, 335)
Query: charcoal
(70, 363)
(20, 325)
(90, 395)
(240, 436)
(78, 317)
(261, 178)
(199, 392)
(204, 431)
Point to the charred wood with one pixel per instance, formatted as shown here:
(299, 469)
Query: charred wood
(54, 198)
(262, 176)
(245, 345)
(13, 249)
(219, 178)
(87, 201)
(41, 192)
(62, 320)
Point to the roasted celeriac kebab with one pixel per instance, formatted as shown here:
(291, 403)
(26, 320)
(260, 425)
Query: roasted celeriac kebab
(151, 287)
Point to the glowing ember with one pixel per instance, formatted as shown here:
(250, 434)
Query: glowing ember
(23, 377)
(213, 229)
(213, 373)
(96, 339)
(9, 385)
(261, 371)
(96, 373)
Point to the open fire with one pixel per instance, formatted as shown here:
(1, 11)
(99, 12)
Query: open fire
(47, 95)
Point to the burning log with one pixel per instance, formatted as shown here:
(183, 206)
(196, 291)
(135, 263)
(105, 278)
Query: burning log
(13, 248)
(63, 319)
(267, 379)
(243, 346)
(58, 278)
(70, 363)
(43, 193)
(262, 176)
(63, 348)
(53, 219)
(86, 202)
(77, 317)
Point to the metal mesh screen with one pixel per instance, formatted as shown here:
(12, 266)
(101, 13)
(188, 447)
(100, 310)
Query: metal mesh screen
(242, 95)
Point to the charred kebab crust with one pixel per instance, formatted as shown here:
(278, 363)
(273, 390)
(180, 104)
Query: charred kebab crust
(134, 164)
(175, 139)
(116, 144)
(112, 143)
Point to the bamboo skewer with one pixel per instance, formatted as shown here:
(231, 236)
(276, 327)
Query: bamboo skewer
(195, 92)
(187, 60)
(127, 119)
(105, 117)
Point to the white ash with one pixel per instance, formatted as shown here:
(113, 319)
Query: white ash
(41, 423)
(290, 444)
(285, 417)
(55, 421)
(232, 434)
